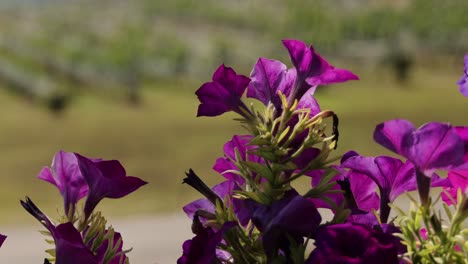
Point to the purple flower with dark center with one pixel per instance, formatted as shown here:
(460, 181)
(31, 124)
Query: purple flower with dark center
(430, 147)
(2, 239)
(69, 246)
(106, 179)
(463, 82)
(353, 243)
(392, 176)
(223, 94)
(66, 175)
(293, 216)
(202, 249)
(458, 180)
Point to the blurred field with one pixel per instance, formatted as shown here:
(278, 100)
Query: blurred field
(162, 138)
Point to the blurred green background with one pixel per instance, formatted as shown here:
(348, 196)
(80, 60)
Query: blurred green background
(116, 79)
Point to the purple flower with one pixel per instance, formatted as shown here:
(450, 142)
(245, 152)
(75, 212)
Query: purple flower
(458, 180)
(293, 216)
(392, 176)
(463, 82)
(69, 246)
(66, 175)
(353, 244)
(312, 69)
(2, 239)
(430, 147)
(269, 77)
(106, 179)
(223, 94)
(202, 249)
(226, 166)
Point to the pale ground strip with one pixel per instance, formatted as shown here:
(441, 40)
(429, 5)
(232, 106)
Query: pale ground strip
(154, 239)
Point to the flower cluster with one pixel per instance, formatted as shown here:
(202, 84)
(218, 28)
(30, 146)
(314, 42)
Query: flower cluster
(81, 235)
(255, 215)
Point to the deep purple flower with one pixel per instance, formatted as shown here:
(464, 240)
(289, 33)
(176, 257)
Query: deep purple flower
(2, 239)
(458, 180)
(202, 248)
(69, 246)
(293, 216)
(430, 147)
(463, 82)
(66, 175)
(223, 94)
(353, 244)
(106, 179)
(312, 69)
(392, 176)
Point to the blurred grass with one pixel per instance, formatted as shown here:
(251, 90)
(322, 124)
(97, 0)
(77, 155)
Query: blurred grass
(161, 139)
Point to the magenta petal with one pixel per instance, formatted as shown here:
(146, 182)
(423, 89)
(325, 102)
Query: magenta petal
(308, 101)
(70, 248)
(106, 179)
(364, 191)
(433, 146)
(269, 77)
(66, 175)
(390, 134)
(301, 55)
(458, 180)
(332, 75)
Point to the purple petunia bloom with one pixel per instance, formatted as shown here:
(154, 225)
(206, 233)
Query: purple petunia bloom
(223, 94)
(353, 244)
(69, 246)
(430, 147)
(202, 249)
(293, 216)
(2, 239)
(312, 69)
(66, 175)
(106, 179)
(463, 82)
(458, 180)
(392, 176)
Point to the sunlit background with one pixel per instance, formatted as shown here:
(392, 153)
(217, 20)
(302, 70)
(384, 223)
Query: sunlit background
(116, 79)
